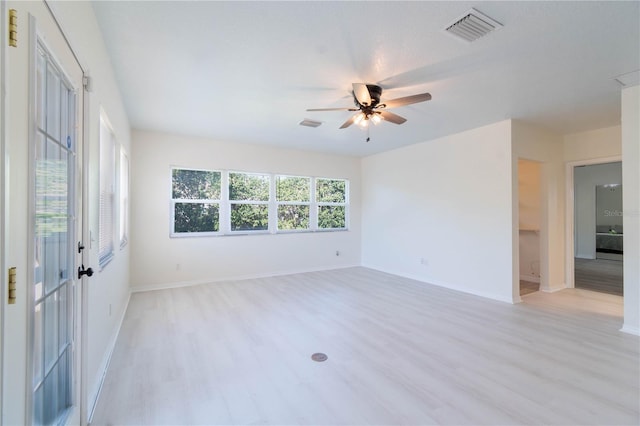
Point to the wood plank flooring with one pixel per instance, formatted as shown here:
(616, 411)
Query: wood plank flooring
(601, 275)
(528, 287)
(400, 352)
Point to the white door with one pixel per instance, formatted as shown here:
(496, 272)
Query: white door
(45, 137)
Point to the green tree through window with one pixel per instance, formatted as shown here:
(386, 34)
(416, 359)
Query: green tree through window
(200, 204)
(331, 196)
(249, 199)
(293, 196)
(196, 200)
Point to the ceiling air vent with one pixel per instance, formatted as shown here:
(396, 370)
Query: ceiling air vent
(472, 26)
(310, 123)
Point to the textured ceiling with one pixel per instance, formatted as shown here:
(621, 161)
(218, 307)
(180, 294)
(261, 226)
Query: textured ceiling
(247, 71)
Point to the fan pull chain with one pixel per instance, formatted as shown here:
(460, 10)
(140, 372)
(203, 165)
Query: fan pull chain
(368, 130)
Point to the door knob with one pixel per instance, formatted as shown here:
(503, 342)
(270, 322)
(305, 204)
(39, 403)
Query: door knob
(81, 271)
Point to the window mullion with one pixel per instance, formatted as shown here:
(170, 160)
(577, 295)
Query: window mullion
(313, 207)
(273, 207)
(225, 205)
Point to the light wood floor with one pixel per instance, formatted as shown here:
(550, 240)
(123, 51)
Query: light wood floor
(599, 275)
(400, 352)
(528, 287)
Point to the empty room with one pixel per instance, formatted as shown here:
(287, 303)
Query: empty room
(320, 212)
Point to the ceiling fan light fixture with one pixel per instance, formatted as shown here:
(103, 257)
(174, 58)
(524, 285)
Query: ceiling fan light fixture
(359, 118)
(375, 118)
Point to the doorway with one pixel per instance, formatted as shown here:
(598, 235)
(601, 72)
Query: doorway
(44, 133)
(529, 219)
(598, 230)
(54, 177)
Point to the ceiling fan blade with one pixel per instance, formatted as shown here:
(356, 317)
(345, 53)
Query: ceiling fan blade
(332, 109)
(407, 100)
(393, 118)
(349, 122)
(361, 93)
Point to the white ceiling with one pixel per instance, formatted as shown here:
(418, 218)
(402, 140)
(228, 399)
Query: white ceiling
(247, 71)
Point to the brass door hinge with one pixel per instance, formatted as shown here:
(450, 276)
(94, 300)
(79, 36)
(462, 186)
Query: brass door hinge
(12, 286)
(13, 28)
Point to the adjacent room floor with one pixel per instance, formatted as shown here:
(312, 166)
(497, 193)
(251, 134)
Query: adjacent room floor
(399, 352)
(599, 275)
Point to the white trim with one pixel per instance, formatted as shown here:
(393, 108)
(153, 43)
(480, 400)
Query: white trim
(82, 148)
(104, 365)
(552, 290)
(630, 330)
(179, 284)
(3, 192)
(105, 256)
(32, 63)
(511, 300)
(569, 242)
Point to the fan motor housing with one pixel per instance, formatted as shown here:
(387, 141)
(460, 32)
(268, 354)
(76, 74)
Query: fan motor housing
(375, 92)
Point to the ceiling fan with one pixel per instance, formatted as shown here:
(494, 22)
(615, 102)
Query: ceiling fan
(367, 100)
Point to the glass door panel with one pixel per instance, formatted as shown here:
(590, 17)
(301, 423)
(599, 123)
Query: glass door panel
(53, 245)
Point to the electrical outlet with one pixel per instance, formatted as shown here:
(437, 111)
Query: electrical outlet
(337, 253)
(424, 261)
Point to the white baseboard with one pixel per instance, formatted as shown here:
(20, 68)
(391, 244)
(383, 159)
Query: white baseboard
(141, 288)
(553, 290)
(530, 278)
(630, 330)
(104, 365)
(499, 298)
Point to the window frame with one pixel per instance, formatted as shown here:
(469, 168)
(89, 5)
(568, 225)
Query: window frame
(230, 202)
(123, 196)
(277, 203)
(344, 204)
(225, 204)
(172, 207)
(106, 252)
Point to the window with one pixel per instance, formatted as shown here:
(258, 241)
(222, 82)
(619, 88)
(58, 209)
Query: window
(205, 202)
(293, 196)
(195, 201)
(124, 198)
(249, 201)
(107, 189)
(331, 198)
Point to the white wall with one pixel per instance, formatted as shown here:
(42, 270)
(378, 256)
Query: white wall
(536, 144)
(599, 143)
(447, 201)
(631, 204)
(585, 179)
(108, 290)
(155, 255)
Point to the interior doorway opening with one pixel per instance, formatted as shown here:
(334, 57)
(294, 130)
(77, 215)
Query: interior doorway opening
(529, 220)
(598, 231)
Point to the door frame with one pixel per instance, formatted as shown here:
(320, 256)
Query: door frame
(570, 212)
(3, 192)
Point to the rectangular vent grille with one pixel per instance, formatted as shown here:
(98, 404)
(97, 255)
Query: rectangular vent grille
(310, 123)
(472, 26)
